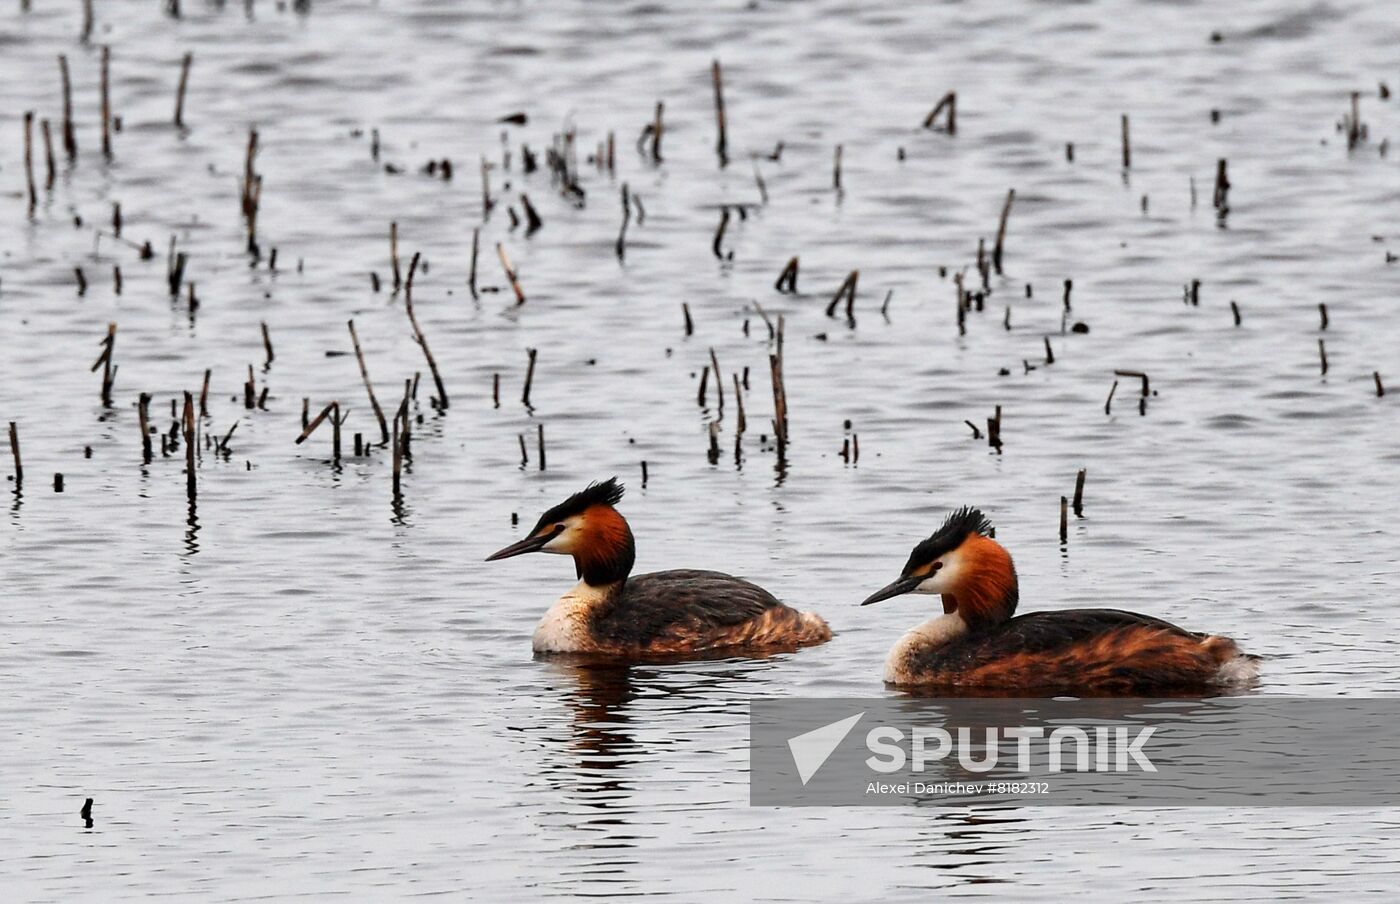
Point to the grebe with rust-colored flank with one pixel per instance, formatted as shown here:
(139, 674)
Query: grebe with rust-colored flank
(979, 642)
(610, 612)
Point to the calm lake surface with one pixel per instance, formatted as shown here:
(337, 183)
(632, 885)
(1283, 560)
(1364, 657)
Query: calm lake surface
(299, 688)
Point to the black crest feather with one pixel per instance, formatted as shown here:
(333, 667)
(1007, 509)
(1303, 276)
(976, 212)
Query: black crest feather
(949, 537)
(605, 492)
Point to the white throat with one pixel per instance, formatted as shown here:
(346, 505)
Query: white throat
(564, 628)
(935, 632)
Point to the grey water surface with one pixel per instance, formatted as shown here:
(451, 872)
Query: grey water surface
(297, 688)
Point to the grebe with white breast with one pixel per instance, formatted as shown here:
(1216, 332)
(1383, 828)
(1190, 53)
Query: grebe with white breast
(612, 613)
(977, 643)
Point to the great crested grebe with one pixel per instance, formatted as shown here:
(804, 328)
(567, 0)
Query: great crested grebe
(976, 643)
(659, 614)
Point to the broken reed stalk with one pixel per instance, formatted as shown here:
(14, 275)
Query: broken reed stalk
(476, 245)
(191, 444)
(252, 192)
(104, 361)
(722, 143)
(715, 245)
(1322, 354)
(836, 170)
(847, 290)
(510, 274)
(1146, 389)
(442, 401)
(1001, 230)
(949, 102)
(70, 143)
(1127, 145)
(1079, 492)
(48, 153)
(657, 127)
(29, 159)
(106, 104)
(14, 451)
(204, 395)
(1380, 389)
(267, 345)
(369, 387)
(1235, 310)
(743, 423)
(719, 381)
(1221, 197)
(331, 412)
(180, 91)
(621, 246)
(689, 324)
(787, 280)
(994, 430)
(780, 424)
(143, 416)
(394, 255)
(1322, 314)
(524, 453)
(529, 377)
(1064, 520)
(704, 386)
(541, 445)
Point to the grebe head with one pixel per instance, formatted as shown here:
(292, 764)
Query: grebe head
(587, 527)
(973, 572)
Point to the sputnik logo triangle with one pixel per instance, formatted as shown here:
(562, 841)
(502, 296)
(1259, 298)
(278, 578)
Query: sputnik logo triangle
(811, 749)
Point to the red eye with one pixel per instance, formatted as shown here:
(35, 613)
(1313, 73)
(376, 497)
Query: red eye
(936, 566)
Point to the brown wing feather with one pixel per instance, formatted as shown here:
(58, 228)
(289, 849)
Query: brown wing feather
(1102, 649)
(683, 608)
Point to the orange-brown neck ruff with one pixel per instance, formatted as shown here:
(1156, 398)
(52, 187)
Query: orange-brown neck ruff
(606, 551)
(986, 593)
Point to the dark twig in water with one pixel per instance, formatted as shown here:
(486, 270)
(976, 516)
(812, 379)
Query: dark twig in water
(1322, 354)
(689, 324)
(191, 444)
(949, 102)
(369, 387)
(1079, 492)
(267, 346)
(719, 235)
(70, 144)
(846, 290)
(722, 142)
(510, 274)
(540, 428)
(1139, 375)
(143, 418)
(1235, 310)
(476, 244)
(104, 361)
(180, 91)
(529, 377)
(29, 159)
(1064, 520)
(976, 434)
(787, 280)
(422, 340)
(621, 245)
(1127, 144)
(14, 453)
(1380, 389)
(994, 430)
(1322, 314)
(106, 102)
(719, 381)
(1001, 230)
